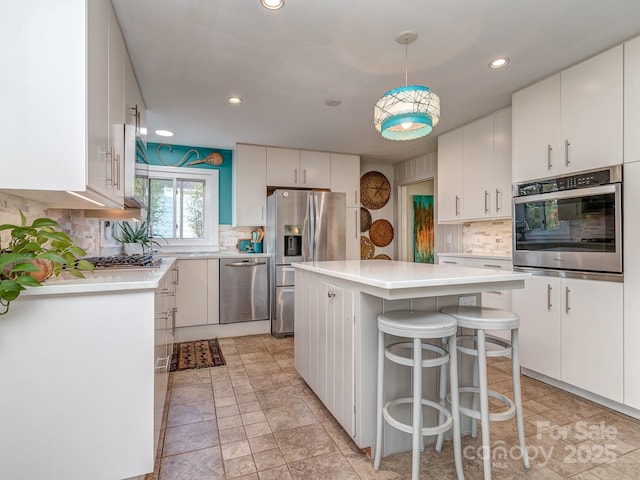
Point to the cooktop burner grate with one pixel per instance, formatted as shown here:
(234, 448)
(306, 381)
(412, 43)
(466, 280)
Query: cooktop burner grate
(124, 261)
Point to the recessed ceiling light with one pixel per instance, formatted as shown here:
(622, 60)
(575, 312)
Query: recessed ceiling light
(332, 102)
(499, 62)
(272, 4)
(143, 130)
(164, 133)
(234, 100)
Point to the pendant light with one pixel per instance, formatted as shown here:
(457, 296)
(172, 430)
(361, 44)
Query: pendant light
(408, 112)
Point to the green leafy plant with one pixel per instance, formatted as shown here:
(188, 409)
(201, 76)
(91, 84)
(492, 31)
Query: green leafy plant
(32, 253)
(138, 233)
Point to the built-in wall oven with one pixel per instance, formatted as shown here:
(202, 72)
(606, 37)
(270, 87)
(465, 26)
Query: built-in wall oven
(570, 225)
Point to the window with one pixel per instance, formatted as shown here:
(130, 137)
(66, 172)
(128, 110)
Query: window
(183, 205)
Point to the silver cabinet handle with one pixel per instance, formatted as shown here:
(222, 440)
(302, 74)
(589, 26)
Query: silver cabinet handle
(495, 292)
(457, 205)
(174, 312)
(450, 261)
(549, 165)
(331, 294)
(356, 214)
(486, 201)
(355, 197)
(489, 265)
(115, 167)
(295, 175)
(549, 297)
(304, 174)
(244, 264)
(176, 275)
(498, 193)
(566, 153)
(566, 293)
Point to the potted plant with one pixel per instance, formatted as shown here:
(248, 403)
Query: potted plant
(135, 238)
(33, 253)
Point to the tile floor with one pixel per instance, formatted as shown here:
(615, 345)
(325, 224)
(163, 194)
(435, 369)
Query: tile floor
(255, 419)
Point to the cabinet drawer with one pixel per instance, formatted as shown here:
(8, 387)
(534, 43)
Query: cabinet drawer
(494, 264)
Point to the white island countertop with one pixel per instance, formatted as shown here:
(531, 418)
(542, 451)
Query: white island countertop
(391, 279)
(107, 280)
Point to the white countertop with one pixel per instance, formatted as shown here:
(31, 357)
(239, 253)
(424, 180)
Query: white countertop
(487, 256)
(107, 280)
(205, 255)
(390, 275)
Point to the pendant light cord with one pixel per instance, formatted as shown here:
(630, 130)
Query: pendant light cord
(406, 61)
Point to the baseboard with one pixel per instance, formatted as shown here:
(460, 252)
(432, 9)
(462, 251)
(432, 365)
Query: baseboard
(200, 332)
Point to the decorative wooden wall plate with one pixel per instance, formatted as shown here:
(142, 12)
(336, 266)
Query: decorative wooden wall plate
(365, 219)
(375, 190)
(367, 250)
(382, 256)
(381, 233)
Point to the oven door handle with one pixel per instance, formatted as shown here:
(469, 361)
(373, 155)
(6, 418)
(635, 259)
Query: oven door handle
(575, 193)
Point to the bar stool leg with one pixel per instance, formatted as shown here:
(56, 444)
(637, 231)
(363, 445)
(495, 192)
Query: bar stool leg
(484, 404)
(475, 396)
(455, 412)
(417, 408)
(443, 396)
(517, 395)
(380, 401)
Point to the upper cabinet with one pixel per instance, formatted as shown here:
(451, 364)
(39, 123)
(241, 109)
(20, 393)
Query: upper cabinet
(249, 185)
(134, 108)
(287, 167)
(70, 92)
(474, 170)
(345, 177)
(571, 121)
(632, 100)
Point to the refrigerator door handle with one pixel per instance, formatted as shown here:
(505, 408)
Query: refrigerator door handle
(312, 228)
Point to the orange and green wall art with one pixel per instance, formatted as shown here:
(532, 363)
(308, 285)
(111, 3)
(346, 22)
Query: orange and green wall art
(423, 237)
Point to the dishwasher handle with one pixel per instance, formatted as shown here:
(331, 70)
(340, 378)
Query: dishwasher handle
(244, 264)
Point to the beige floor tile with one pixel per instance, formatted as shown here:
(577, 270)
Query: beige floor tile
(257, 429)
(249, 407)
(225, 401)
(221, 392)
(246, 397)
(268, 459)
(190, 394)
(189, 437)
(228, 411)
(262, 443)
(305, 442)
(191, 377)
(278, 397)
(250, 418)
(290, 416)
(238, 467)
(185, 413)
(243, 389)
(333, 465)
(232, 435)
(235, 450)
(278, 473)
(229, 422)
(262, 368)
(268, 382)
(205, 464)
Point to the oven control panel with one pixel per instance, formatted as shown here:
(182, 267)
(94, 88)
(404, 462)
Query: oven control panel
(569, 182)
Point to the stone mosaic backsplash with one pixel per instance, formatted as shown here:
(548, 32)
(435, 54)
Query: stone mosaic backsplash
(490, 237)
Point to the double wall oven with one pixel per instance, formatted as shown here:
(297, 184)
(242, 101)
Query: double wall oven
(571, 225)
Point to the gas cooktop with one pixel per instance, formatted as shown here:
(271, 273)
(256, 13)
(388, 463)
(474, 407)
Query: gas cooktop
(125, 261)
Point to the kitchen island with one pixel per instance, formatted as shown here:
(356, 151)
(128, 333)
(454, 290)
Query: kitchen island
(84, 368)
(336, 308)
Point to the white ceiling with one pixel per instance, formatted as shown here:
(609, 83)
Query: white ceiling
(190, 55)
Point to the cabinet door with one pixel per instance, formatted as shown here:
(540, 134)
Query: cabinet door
(591, 106)
(134, 108)
(631, 101)
(501, 203)
(352, 233)
(345, 177)
(450, 176)
(315, 169)
(538, 306)
(537, 149)
(631, 287)
(213, 289)
(192, 293)
(592, 336)
(478, 169)
(283, 167)
(250, 188)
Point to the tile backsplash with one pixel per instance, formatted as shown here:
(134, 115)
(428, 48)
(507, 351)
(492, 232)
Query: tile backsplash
(490, 237)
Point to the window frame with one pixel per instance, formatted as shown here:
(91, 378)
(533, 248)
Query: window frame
(211, 202)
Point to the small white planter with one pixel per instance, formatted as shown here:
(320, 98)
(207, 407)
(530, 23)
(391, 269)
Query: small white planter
(133, 248)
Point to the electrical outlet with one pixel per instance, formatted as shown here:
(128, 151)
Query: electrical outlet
(467, 301)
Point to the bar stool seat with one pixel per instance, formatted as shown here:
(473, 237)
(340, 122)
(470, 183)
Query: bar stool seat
(416, 325)
(482, 319)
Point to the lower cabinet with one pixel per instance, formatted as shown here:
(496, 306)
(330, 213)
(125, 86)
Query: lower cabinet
(197, 298)
(324, 323)
(572, 330)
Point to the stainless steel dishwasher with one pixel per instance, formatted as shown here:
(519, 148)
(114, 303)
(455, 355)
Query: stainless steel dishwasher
(244, 289)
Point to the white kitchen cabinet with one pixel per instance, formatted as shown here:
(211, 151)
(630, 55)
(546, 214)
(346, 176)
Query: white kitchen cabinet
(287, 167)
(478, 168)
(345, 177)
(353, 233)
(75, 156)
(631, 267)
(570, 334)
(249, 185)
(631, 100)
(450, 176)
(197, 298)
(553, 120)
(325, 341)
(474, 170)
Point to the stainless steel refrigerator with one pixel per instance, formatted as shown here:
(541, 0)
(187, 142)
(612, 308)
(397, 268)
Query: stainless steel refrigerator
(302, 226)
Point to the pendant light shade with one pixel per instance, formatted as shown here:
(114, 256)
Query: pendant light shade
(408, 112)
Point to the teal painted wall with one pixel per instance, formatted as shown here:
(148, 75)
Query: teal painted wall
(196, 157)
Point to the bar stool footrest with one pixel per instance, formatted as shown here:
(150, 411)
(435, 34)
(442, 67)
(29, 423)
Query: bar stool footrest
(504, 352)
(495, 416)
(426, 431)
(391, 352)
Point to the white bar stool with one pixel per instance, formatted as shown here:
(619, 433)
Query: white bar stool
(481, 319)
(418, 326)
